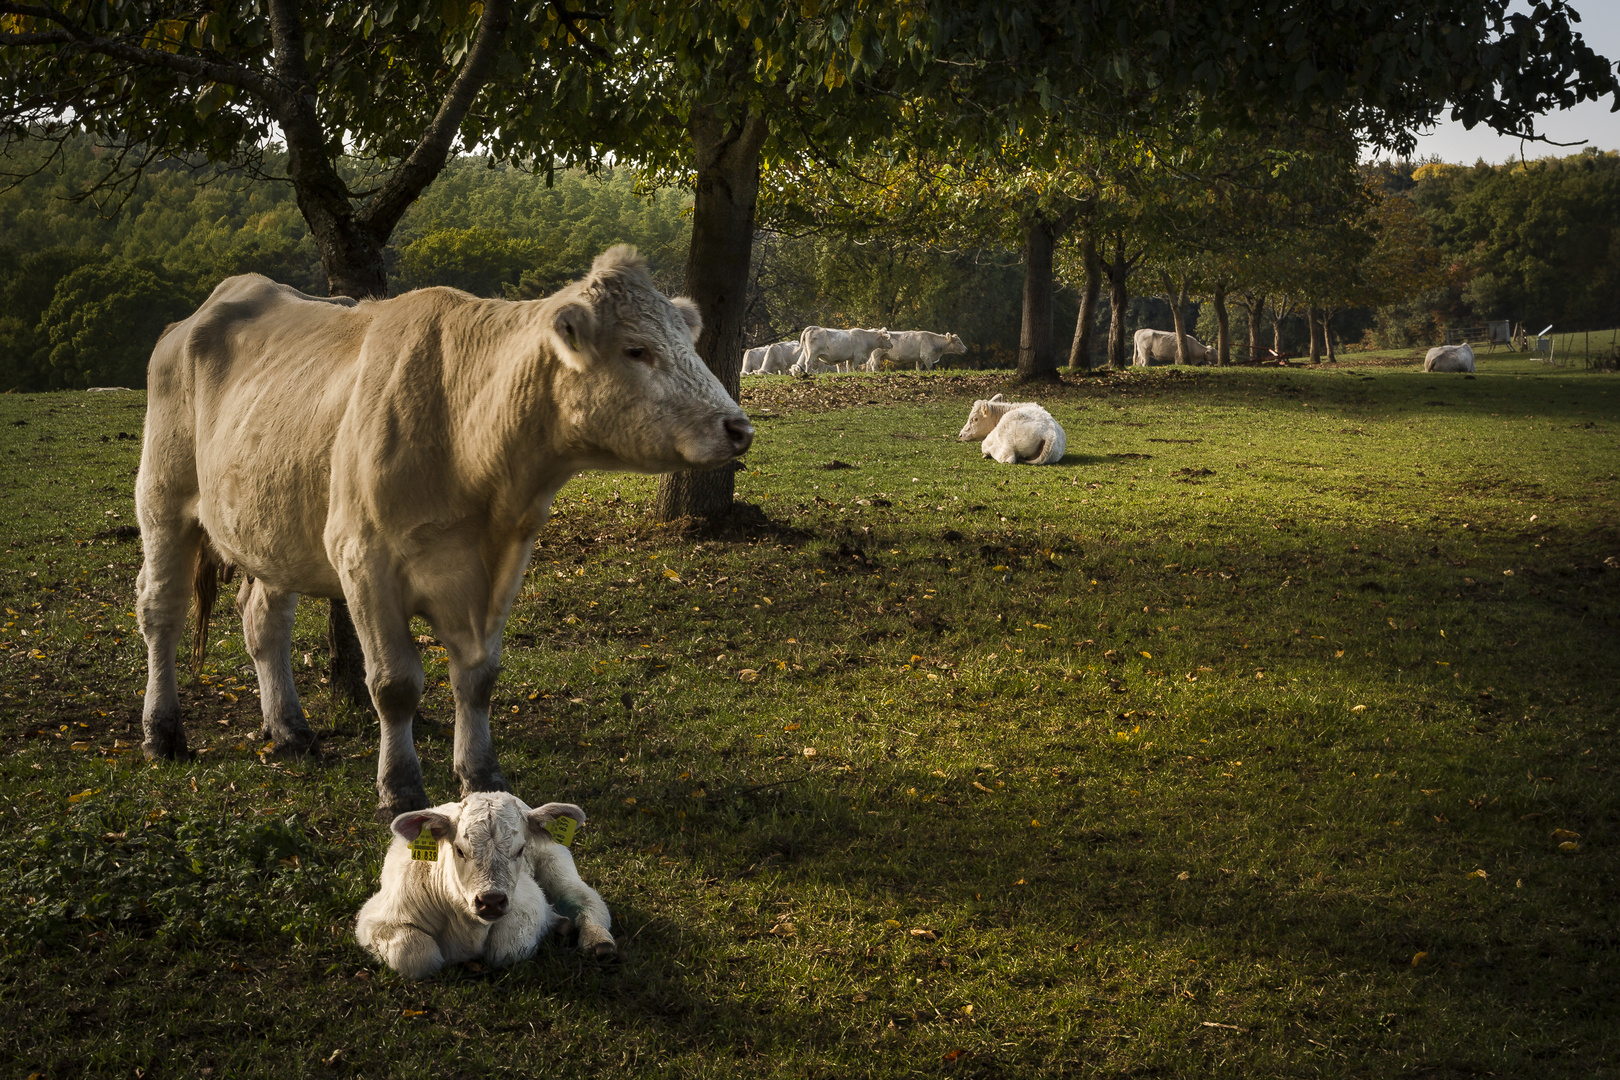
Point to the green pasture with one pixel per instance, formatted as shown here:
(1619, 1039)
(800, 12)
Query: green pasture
(1270, 733)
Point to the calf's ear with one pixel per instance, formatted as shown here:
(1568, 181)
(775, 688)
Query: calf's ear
(575, 326)
(542, 816)
(690, 315)
(996, 398)
(410, 825)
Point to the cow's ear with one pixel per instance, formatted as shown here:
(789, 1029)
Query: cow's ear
(542, 816)
(575, 326)
(690, 315)
(996, 398)
(410, 825)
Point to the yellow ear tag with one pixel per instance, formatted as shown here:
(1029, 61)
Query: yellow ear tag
(425, 848)
(562, 830)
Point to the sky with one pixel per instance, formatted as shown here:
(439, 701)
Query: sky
(1592, 121)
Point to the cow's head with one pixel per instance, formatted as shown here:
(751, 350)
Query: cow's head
(883, 339)
(982, 419)
(953, 344)
(631, 388)
(482, 841)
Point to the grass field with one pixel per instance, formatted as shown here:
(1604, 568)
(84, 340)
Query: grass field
(1270, 733)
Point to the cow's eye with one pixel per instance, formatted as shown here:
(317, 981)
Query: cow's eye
(459, 850)
(635, 352)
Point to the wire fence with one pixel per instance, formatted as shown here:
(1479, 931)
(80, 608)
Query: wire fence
(1584, 348)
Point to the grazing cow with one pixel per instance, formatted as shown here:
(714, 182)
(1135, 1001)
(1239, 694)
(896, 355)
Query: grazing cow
(920, 348)
(400, 454)
(840, 350)
(779, 358)
(752, 359)
(1154, 347)
(875, 360)
(1015, 432)
(477, 880)
(1450, 358)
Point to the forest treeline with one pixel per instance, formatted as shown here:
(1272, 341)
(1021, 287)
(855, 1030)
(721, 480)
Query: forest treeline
(86, 287)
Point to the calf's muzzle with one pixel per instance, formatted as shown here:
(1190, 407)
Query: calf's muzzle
(490, 905)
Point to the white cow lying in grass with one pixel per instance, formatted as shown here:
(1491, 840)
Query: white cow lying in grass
(1450, 358)
(1015, 432)
(476, 880)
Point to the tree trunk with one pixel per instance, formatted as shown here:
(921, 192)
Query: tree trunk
(1080, 351)
(1177, 315)
(1223, 332)
(1118, 271)
(1257, 310)
(1327, 335)
(1315, 329)
(1037, 351)
(727, 153)
(1276, 331)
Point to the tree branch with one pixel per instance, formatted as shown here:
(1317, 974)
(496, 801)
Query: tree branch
(76, 37)
(397, 193)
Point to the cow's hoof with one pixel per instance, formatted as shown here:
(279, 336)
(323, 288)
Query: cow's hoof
(297, 745)
(400, 804)
(601, 951)
(167, 748)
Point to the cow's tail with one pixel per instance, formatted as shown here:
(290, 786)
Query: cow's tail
(210, 572)
(1047, 445)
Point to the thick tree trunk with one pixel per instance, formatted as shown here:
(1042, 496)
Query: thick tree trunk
(1080, 351)
(1327, 335)
(1037, 351)
(1118, 273)
(1223, 331)
(727, 152)
(1177, 315)
(1276, 331)
(1315, 328)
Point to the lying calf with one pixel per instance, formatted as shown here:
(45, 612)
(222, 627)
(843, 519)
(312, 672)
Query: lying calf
(1015, 432)
(476, 880)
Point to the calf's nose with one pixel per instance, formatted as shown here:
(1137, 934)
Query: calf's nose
(490, 905)
(741, 433)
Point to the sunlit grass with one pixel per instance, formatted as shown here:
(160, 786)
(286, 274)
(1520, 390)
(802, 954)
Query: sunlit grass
(1172, 757)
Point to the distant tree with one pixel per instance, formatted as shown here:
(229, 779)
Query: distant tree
(479, 260)
(27, 288)
(103, 319)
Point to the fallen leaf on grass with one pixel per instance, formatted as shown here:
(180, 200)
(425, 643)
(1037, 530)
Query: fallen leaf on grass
(748, 675)
(926, 935)
(1183, 876)
(980, 786)
(791, 727)
(1479, 874)
(1418, 958)
(1565, 834)
(951, 1058)
(85, 794)
(1569, 845)
(809, 751)
(1359, 708)
(79, 746)
(413, 1012)
(1431, 790)
(1148, 655)
(672, 575)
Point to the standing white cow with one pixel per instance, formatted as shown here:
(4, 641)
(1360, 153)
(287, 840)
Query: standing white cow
(839, 349)
(1450, 358)
(400, 454)
(481, 879)
(1155, 347)
(1015, 432)
(919, 348)
(753, 359)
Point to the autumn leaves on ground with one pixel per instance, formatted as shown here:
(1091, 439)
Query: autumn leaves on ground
(1271, 733)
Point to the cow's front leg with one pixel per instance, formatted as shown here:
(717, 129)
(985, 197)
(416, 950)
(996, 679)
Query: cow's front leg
(475, 763)
(394, 677)
(267, 624)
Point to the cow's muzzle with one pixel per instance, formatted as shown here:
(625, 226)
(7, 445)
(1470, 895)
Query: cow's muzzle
(741, 434)
(490, 905)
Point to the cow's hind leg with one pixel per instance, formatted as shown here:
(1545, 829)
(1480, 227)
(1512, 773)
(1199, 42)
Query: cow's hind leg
(476, 766)
(162, 595)
(267, 624)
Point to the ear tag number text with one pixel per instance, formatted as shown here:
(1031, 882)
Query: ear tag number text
(425, 848)
(562, 830)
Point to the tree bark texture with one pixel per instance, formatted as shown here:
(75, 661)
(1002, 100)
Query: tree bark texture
(1119, 271)
(727, 154)
(1315, 328)
(1178, 300)
(1037, 350)
(1223, 330)
(1256, 308)
(1084, 327)
(1327, 335)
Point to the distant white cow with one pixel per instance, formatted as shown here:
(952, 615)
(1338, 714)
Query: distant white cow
(779, 358)
(919, 348)
(874, 360)
(1015, 432)
(753, 359)
(1450, 358)
(839, 349)
(482, 888)
(1155, 347)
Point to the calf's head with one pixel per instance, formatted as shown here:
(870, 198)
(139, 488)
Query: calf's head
(632, 391)
(482, 841)
(982, 419)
